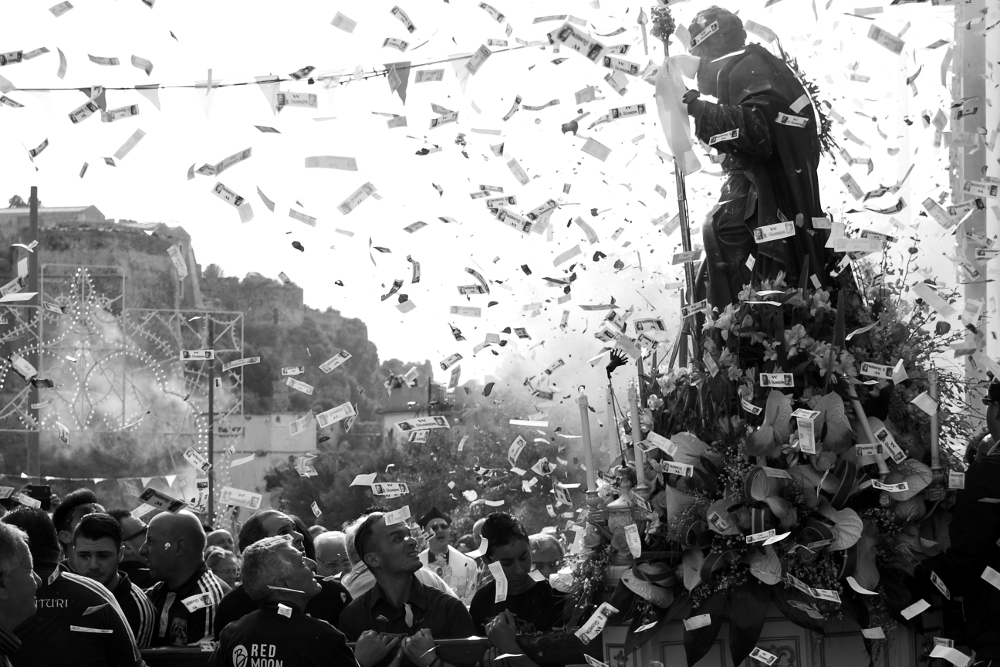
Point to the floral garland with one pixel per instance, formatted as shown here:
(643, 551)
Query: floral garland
(752, 495)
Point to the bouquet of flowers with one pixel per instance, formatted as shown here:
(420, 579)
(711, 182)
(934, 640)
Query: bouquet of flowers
(791, 465)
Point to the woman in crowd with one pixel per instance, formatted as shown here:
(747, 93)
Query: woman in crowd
(531, 606)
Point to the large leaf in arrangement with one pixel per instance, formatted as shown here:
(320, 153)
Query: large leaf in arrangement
(866, 570)
(681, 608)
(776, 429)
(766, 566)
(847, 526)
(839, 436)
(917, 476)
(690, 448)
(784, 596)
(853, 606)
(698, 642)
(721, 507)
(691, 563)
(747, 611)
(672, 501)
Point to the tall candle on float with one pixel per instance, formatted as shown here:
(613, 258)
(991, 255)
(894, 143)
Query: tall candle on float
(936, 490)
(588, 451)
(633, 401)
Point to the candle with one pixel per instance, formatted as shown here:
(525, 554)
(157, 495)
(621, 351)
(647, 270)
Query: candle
(633, 401)
(883, 469)
(588, 448)
(932, 379)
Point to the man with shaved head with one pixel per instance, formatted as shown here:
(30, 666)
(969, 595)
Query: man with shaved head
(186, 593)
(331, 554)
(221, 538)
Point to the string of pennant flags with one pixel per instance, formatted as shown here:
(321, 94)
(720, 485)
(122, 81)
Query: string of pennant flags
(341, 77)
(170, 479)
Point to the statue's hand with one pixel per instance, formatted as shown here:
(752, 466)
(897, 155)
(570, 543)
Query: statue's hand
(618, 359)
(692, 98)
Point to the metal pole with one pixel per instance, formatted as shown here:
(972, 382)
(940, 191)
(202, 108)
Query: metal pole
(34, 455)
(211, 423)
(968, 82)
(588, 447)
(682, 211)
(992, 162)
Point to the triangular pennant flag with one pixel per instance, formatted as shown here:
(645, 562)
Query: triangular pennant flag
(458, 61)
(101, 96)
(170, 479)
(269, 86)
(205, 92)
(151, 93)
(98, 480)
(402, 70)
(145, 481)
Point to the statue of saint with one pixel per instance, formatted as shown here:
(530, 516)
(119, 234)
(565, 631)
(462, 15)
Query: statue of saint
(765, 127)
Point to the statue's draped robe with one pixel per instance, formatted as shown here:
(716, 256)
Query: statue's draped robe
(770, 171)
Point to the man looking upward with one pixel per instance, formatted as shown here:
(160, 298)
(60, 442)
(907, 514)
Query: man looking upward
(279, 578)
(327, 605)
(18, 583)
(331, 554)
(399, 603)
(222, 539)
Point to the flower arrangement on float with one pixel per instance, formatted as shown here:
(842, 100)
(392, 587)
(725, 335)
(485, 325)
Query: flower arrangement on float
(798, 462)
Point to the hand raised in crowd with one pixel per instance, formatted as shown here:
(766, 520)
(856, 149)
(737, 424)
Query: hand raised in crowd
(419, 648)
(373, 646)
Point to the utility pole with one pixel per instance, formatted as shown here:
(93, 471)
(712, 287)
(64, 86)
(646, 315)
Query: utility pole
(33, 455)
(211, 422)
(992, 124)
(968, 83)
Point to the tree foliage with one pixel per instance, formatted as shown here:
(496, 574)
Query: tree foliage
(428, 469)
(320, 336)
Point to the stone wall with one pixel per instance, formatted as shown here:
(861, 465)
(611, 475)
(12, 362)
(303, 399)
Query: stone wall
(150, 279)
(262, 300)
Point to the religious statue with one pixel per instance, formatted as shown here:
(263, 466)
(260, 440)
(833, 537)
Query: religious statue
(766, 128)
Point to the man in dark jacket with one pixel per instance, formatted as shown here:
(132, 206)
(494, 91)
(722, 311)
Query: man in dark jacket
(765, 127)
(78, 621)
(965, 567)
(399, 604)
(327, 605)
(278, 577)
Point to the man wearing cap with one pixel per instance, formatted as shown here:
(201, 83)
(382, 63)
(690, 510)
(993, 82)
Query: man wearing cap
(974, 531)
(458, 570)
(765, 127)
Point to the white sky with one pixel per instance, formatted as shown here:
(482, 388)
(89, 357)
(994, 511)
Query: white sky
(240, 40)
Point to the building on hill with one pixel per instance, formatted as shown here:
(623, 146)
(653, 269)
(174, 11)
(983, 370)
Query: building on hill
(269, 439)
(261, 300)
(405, 402)
(72, 236)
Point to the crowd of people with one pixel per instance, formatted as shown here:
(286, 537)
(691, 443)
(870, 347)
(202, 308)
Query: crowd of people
(91, 586)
